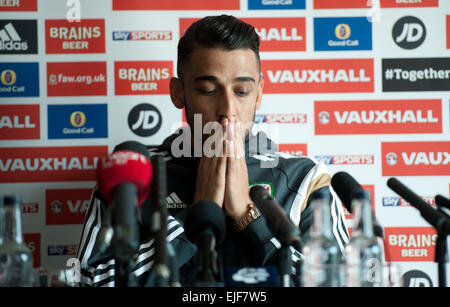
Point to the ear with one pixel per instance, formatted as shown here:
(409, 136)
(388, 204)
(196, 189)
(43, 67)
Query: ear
(260, 91)
(177, 92)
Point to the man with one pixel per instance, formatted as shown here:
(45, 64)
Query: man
(220, 82)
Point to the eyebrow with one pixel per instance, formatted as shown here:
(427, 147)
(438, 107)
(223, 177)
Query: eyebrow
(215, 79)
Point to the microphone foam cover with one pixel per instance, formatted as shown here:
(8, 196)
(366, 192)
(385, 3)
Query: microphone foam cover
(133, 146)
(346, 187)
(124, 166)
(203, 214)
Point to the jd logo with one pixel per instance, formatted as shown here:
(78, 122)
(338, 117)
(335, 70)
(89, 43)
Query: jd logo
(144, 120)
(416, 278)
(409, 32)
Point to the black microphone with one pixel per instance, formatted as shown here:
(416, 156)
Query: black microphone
(442, 201)
(434, 217)
(205, 226)
(161, 270)
(347, 188)
(277, 219)
(123, 181)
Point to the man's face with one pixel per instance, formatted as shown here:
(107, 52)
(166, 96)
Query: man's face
(220, 84)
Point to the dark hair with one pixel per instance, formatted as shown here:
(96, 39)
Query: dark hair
(224, 31)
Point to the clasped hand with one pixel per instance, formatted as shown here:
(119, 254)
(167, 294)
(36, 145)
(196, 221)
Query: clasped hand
(223, 177)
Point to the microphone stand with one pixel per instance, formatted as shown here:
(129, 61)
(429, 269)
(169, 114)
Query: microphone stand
(206, 257)
(125, 242)
(284, 265)
(441, 253)
(161, 274)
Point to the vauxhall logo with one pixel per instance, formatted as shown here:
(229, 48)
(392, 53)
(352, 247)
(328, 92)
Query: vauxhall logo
(144, 120)
(409, 32)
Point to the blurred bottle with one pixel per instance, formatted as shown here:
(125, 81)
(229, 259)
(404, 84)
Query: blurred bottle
(363, 254)
(16, 260)
(323, 264)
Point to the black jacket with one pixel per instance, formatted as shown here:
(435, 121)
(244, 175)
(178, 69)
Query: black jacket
(290, 179)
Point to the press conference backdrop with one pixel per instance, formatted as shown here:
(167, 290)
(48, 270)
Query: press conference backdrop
(361, 85)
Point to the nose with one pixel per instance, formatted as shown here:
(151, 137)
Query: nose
(227, 105)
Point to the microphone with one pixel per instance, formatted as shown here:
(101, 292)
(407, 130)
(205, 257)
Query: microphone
(277, 219)
(347, 188)
(161, 273)
(123, 180)
(205, 226)
(434, 217)
(442, 201)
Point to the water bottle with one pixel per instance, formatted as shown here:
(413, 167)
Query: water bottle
(363, 255)
(16, 260)
(323, 264)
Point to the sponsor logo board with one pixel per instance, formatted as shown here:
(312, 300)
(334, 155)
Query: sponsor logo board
(19, 122)
(18, 36)
(86, 36)
(76, 79)
(147, 35)
(142, 78)
(66, 206)
(19, 79)
(77, 121)
(318, 76)
(410, 243)
(342, 33)
(144, 120)
(276, 4)
(33, 242)
(416, 74)
(47, 164)
(176, 5)
(378, 116)
(18, 5)
(293, 149)
(276, 34)
(415, 158)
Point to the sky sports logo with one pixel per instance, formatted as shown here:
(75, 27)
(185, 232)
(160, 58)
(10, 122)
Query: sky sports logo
(62, 250)
(77, 121)
(142, 35)
(288, 118)
(347, 33)
(355, 159)
(276, 4)
(395, 201)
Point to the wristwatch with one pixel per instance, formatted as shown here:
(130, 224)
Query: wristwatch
(253, 214)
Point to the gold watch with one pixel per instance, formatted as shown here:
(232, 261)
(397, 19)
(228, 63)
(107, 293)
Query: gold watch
(253, 214)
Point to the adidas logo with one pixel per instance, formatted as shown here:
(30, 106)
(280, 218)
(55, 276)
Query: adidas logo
(174, 202)
(10, 40)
